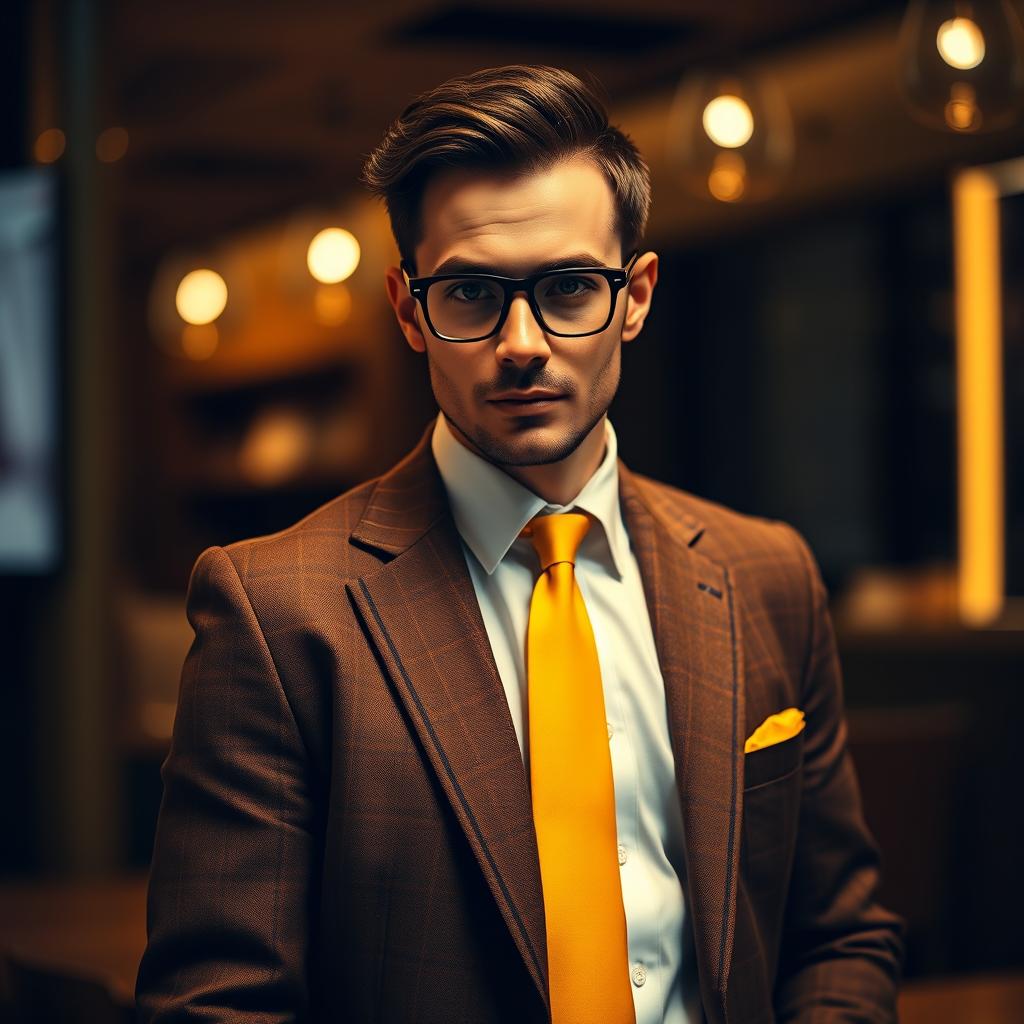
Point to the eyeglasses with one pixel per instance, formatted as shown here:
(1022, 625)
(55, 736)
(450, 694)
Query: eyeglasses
(569, 303)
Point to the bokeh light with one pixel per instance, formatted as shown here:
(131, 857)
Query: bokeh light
(49, 146)
(728, 178)
(333, 255)
(728, 122)
(201, 297)
(961, 112)
(961, 43)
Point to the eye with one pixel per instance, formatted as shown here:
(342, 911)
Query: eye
(468, 291)
(569, 287)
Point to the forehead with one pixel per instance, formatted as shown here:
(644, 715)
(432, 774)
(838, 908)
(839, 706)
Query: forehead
(517, 221)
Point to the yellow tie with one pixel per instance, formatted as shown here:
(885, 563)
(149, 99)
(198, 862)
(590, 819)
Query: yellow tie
(573, 791)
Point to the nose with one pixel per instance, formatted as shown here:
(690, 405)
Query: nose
(521, 339)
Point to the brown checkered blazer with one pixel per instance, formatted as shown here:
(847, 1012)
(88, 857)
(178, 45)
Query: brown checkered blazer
(346, 832)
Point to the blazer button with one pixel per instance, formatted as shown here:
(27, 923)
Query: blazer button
(622, 854)
(638, 974)
(610, 729)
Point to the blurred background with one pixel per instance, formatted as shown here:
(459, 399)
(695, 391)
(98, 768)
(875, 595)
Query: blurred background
(195, 347)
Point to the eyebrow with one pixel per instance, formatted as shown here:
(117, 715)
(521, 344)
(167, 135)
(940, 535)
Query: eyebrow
(461, 265)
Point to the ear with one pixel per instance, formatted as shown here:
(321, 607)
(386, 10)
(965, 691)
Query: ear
(406, 309)
(639, 292)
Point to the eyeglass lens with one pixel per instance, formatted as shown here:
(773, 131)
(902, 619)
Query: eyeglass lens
(569, 304)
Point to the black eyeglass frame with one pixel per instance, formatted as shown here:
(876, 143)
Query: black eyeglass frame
(617, 278)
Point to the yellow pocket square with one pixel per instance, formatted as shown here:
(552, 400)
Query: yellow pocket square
(775, 728)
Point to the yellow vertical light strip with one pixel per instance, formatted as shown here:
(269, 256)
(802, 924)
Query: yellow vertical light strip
(979, 396)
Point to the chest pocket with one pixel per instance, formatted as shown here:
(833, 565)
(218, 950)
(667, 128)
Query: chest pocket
(769, 764)
(771, 810)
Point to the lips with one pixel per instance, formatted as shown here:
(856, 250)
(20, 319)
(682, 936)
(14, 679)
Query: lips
(538, 405)
(528, 397)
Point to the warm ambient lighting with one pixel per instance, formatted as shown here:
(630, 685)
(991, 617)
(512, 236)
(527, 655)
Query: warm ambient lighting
(49, 146)
(979, 363)
(961, 44)
(728, 122)
(333, 255)
(201, 297)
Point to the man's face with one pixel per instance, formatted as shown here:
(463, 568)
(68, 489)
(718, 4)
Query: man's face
(511, 225)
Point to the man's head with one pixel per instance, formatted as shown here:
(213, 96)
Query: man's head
(504, 172)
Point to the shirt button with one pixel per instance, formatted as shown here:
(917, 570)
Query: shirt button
(610, 729)
(622, 854)
(638, 974)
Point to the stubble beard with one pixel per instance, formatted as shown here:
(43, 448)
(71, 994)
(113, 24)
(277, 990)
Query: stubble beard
(513, 452)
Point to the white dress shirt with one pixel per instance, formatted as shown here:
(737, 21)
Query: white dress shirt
(490, 508)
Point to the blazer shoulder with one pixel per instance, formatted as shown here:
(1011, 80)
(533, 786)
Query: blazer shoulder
(724, 534)
(316, 543)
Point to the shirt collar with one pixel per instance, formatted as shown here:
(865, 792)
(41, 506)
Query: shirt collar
(490, 507)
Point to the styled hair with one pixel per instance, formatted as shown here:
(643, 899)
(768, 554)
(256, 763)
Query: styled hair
(520, 118)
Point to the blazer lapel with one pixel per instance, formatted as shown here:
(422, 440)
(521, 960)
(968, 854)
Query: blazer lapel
(421, 614)
(692, 609)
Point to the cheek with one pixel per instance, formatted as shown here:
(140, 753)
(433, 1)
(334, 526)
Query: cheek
(606, 360)
(451, 368)
(604, 378)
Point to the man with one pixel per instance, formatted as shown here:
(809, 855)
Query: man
(511, 733)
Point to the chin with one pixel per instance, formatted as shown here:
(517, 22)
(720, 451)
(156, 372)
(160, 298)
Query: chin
(529, 446)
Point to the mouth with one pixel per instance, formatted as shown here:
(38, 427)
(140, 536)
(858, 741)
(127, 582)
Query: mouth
(539, 403)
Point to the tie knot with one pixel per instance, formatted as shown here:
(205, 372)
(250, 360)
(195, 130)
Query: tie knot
(556, 537)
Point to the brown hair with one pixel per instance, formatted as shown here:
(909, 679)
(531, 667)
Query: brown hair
(521, 118)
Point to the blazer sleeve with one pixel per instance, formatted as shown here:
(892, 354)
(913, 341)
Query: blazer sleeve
(841, 953)
(228, 906)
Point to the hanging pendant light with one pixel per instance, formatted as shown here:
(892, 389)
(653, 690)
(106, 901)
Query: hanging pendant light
(730, 134)
(962, 64)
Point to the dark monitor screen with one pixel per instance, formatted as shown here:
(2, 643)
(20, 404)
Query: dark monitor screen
(30, 514)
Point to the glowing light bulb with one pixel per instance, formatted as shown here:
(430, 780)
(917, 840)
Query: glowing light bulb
(201, 297)
(333, 255)
(728, 122)
(961, 43)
